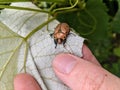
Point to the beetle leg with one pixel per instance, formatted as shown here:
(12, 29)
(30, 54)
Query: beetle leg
(51, 34)
(55, 41)
(72, 34)
(64, 41)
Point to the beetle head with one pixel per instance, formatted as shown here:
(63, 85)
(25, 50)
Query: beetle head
(59, 41)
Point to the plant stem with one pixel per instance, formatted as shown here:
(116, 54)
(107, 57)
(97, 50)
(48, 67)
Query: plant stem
(38, 28)
(52, 6)
(23, 8)
(10, 1)
(65, 8)
(26, 55)
(57, 1)
(67, 11)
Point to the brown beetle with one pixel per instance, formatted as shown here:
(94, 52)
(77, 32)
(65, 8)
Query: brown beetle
(60, 34)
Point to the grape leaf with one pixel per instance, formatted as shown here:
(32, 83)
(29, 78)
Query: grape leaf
(9, 51)
(98, 10)
(35, 54)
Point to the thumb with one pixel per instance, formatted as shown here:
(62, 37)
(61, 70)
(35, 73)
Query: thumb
(79, 74)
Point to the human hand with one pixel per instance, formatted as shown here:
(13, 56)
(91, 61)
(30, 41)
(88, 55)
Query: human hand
(77, 73)
(84, 73)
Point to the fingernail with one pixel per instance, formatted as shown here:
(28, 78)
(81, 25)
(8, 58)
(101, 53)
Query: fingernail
(64, 63)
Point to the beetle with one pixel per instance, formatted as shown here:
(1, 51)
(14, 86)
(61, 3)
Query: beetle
(61, 33)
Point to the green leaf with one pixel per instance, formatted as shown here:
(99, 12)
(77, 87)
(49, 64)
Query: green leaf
(8, 56)
(98, 10)
(117, 51)
(116, 21)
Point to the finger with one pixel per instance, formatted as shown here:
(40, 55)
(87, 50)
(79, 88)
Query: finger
(79, 74)
(25, 82)
(87, 55)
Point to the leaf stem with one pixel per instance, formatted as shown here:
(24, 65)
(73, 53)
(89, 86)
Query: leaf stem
(10, 1)
(57, 1)
(26, 53)
(65, 8)
(66, 11)
(38, 28)
(23, 8)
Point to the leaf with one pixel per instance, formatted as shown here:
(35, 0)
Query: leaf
(9, 1)
(37, 52)
(116, 21)
(98, 10)
(8, 56)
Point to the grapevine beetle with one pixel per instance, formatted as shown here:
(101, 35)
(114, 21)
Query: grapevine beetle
(61, 33)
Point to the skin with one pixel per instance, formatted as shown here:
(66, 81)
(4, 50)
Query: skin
(25, 82)
(77, 73)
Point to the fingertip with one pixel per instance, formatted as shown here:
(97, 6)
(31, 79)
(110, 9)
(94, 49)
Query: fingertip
(25, 82)
(64, 63)
(21, 76)
(58, 58)
(87, 54)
